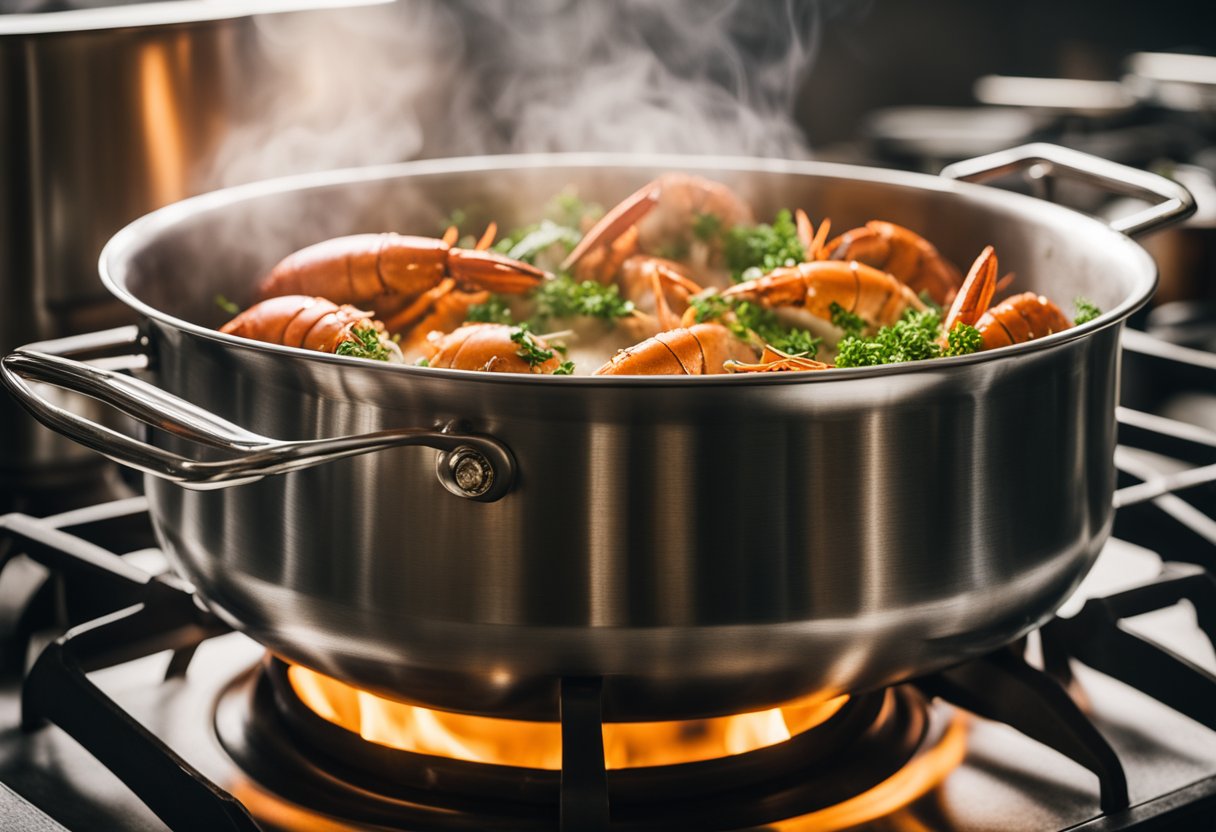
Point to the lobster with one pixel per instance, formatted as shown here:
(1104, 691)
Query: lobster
(701, 349)
(1014, 320)
(314, 323)
(815, 286)
(493, 348)
(901, 252)
(392, 272)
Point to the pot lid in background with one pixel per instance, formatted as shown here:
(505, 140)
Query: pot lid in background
(1176, 81)
(1055, 96)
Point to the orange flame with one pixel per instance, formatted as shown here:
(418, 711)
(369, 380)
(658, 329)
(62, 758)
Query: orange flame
(923, 773)
(538, 744)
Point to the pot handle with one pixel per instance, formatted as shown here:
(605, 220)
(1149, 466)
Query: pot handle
(1174, 204)
(473, 466)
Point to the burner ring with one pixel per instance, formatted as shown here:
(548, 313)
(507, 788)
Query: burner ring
(303, 758)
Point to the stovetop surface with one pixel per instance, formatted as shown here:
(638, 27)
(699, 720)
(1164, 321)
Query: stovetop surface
(1007, 782)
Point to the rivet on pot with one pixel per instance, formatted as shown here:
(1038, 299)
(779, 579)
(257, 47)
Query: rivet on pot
(469, 473)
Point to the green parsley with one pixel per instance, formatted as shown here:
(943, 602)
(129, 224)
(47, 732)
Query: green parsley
(843, 319)
(675, 250)
(422, 362)
(763, 247)
(706, 226)
(457, 218)
(796, 342)
(566, 368)
(493, 311)
(709, 307)
(227, 305)
(964, 339)
(913, 337)
(1086, 310)
(927, 300)
(567, 209)
(364, 343)
(557, 231)
(540, 238)
(530, 349)
(562, 297)
(748, 321)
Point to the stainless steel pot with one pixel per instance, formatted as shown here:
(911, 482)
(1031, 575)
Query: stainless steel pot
(707, 545)
(109, 113)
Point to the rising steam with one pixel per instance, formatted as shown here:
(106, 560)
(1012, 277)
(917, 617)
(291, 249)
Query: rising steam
(429, 78)
(697, 76)
(345, 88)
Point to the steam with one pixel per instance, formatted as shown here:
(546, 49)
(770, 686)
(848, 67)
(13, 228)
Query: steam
(344, 88)
(710, 76)
(429, 78)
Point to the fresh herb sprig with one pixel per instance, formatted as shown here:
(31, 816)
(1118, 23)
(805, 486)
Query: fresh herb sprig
(758, 249)
(567, 209)
(1086, 310)
(849, 322)
(557, 230)
(528, 243)
(530, 349)
(963, 339)
(563, 297)
(749, 320)
(364, 342)
(707, 226)
(231, 307)
(927, 300)
(493, 311)
(913, 337)
(458, 219)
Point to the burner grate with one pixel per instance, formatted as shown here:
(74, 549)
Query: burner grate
(163, 616)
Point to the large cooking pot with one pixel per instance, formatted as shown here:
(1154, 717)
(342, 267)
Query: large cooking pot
(707, 545)
(107, 111)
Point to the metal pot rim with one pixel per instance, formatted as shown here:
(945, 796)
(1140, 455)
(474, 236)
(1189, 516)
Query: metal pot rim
(125, 244)
(156, 14)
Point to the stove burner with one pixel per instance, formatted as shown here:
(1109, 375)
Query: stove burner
(304, 758)
(508, 741)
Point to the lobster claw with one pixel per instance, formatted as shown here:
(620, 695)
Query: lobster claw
(616, 222)
(975, 296)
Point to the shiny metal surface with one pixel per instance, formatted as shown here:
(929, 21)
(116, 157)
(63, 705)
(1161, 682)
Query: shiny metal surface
(108, 114)
(476, 467)
(1174, 202)
(706, 544)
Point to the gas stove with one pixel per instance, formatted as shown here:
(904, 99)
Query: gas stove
(127, 705)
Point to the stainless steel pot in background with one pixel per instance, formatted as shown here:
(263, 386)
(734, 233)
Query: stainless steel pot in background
(106, 114)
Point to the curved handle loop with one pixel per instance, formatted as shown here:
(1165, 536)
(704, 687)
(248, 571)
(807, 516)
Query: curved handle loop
(1174, 204)
(471, 465)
